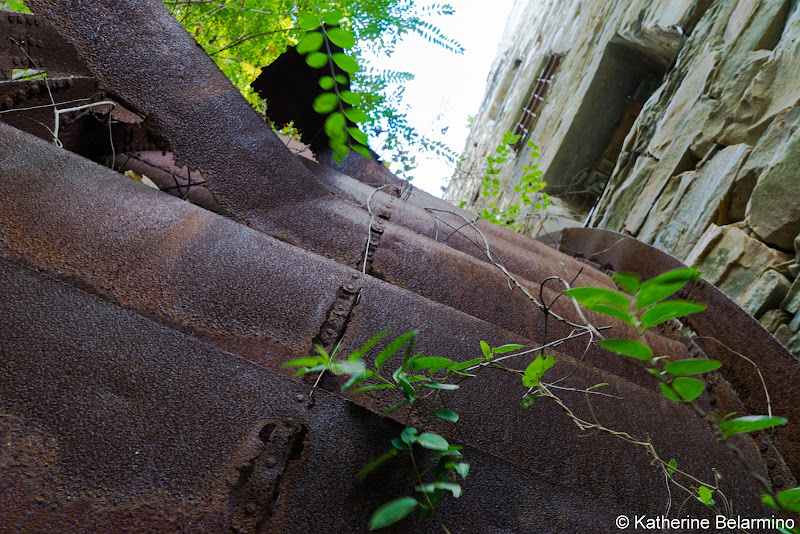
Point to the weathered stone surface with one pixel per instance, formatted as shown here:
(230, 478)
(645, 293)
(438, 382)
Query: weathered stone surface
(766, 293)
(700, 205)
(774, 208)
(773, 319)
(792, 301)
(732, 260)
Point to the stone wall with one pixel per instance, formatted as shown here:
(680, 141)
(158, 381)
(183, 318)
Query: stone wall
(708, 169)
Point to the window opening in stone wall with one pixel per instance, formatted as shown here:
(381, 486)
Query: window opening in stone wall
(529, 113)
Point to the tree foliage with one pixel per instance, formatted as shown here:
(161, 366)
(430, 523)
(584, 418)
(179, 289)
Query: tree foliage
(244, 35)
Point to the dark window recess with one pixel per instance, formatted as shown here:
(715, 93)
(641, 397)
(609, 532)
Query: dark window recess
(537, 97)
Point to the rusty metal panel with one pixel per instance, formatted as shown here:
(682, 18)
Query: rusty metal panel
(38, 46)
(724, 330)
(186, 100)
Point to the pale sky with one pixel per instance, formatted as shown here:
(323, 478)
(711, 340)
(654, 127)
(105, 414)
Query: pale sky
(447, 87)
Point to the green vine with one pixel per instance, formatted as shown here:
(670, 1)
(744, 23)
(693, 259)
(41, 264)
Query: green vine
(530, 183)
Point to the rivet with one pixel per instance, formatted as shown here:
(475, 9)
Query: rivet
(7, 103)
(29, 21)
(299, 397)
(350, 288)
(771, 463)
(15, 61)
(68, 82)
(270, 461)
(20, 20)
(763, 446)
(37, 22)
(10, 18)
(778, 482)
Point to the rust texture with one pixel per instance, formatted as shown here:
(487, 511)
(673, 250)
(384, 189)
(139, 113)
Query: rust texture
(142, 384)
(722, 334)
(35, 45)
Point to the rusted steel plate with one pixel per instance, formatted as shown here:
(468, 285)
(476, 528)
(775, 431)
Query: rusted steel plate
(247, 292)
(37, 46)
(115, 422)
(186, 99)
(724, 330)
(161, 266)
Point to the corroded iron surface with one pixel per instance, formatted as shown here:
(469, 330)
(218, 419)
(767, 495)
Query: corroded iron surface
(120, 411)
(725, 332)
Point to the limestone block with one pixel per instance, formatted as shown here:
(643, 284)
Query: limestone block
(790, 338)
(792, 301)
(730, 259)
(766, 293)
(700, 205)
(774, 208)
(773, 319)
(681, 105)
(666, 204)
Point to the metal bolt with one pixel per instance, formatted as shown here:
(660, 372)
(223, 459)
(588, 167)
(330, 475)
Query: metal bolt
(763, 446)
(771, 463)
(270, 461)
(299, 397)
(779, 482)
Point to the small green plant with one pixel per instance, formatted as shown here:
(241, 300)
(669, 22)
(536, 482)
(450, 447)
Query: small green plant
(339, 104)
(643, 305)
(416, 378)
(530, 183)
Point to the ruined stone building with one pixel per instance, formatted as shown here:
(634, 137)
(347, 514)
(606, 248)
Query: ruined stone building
(672, 121)
(144, 331)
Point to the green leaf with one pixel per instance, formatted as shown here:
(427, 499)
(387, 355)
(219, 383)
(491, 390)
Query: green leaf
(663, 286)
(612, 311)
(332, 17)
(749, 423)
(325, 103)
(439, 385)
(629, 282)
(317, 59)
(487, 351)
(354, 99)
(398, 444)
(601, 384)
(361, 150)
(393, 347)
(446, 414)
(462, 469)
(310, 43)
(705, 495)
(356, 115)
(307, 21)
(453, 488)
(308, 361)
(672, 465)
(691, 366)
(683, 389)
(341, 38)
(326, 82)
(790, 499)
(341, 79)
(432, 441)
(589, 296)
(392, 512)
(374, 387)
(528, 400)
(369, 344)
(507, 348)
(345, 62)
(408, 390)
(396, 406)
(432, 363)
(358, 135)
(669, 310)
(409, 434)
(628, 347)
(463, 365)
(374, 464)
(536, 369)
